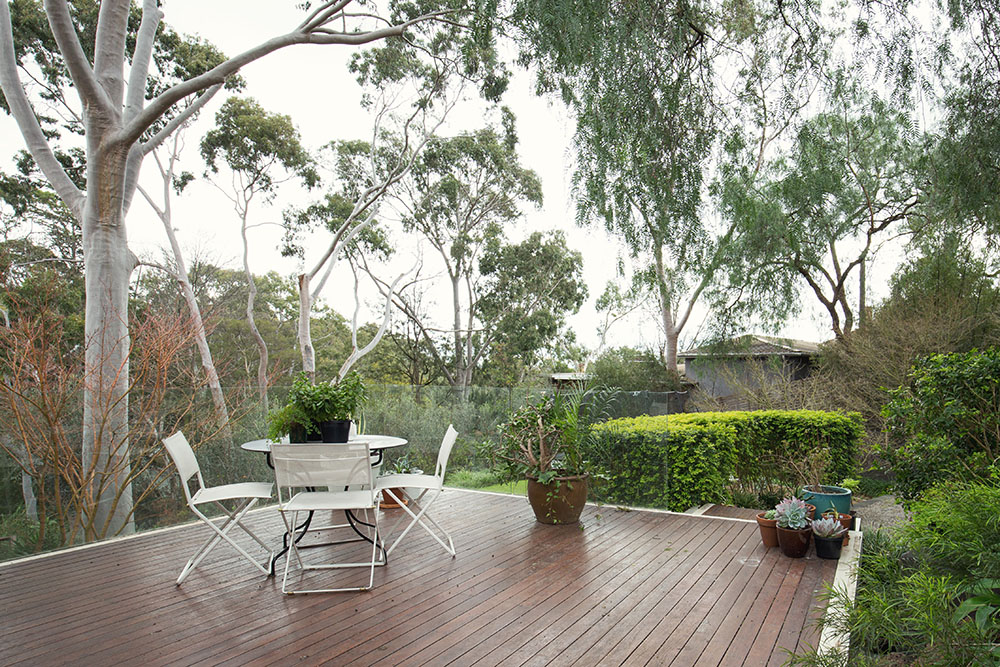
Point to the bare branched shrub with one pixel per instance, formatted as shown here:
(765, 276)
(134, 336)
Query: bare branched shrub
(41, 387)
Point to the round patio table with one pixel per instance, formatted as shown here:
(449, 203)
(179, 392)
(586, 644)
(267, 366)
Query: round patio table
(376, 443)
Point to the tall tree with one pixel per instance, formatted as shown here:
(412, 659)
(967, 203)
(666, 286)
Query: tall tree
(262, 150)
(173, 180)
(845, 187)
(124, 117)
(409, 94)
(659, 89)
(459, 197)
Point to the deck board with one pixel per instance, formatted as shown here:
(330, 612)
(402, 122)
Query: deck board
(629, 587)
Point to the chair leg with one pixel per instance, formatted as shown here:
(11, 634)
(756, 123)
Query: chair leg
(294, 552)
(418, 519)
(233, 519)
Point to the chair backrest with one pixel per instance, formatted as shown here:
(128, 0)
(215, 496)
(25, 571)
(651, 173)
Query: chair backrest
(446, 445)
(182, 454)
(187, 464)
(336, 465)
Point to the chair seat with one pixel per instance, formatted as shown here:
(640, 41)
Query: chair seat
(231, 491)
(306, 501)
(412, 481)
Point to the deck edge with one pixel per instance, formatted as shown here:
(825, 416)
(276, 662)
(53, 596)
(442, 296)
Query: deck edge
(832, 641)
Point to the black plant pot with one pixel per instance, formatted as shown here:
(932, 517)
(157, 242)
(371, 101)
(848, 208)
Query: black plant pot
(828, 547)
(297, 433)
(336, 431)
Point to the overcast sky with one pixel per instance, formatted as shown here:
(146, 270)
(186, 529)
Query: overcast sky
(312, 85)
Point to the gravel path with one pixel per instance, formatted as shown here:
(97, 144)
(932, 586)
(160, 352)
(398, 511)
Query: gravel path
(880, 512)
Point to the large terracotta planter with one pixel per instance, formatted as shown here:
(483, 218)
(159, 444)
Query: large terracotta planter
(559, 502)
(794, 543)
(768, 530)
(388, 502)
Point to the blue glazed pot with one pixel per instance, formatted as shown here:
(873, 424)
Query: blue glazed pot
(826, 498)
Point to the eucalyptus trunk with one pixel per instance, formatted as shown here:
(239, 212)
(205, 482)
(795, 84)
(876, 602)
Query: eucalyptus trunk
(108, 263)
(305, 328)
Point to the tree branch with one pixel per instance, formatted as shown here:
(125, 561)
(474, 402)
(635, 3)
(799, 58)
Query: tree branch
(27, 121)
(109, 52)
(87, 85)
(218, 74)
(136, 96)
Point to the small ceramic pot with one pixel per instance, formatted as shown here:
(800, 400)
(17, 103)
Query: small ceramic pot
(846, 520)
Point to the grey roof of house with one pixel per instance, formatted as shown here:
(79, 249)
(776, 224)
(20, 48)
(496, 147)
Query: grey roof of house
(753, 345)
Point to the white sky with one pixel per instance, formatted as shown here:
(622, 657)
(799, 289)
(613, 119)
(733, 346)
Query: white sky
(313, 86)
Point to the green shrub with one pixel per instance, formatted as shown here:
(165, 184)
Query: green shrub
(945, 423)
(22, 535)
(955, 529)
(682, 460)
(912, 604)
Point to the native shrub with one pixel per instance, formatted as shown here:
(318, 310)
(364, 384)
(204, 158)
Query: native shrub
(944, 424)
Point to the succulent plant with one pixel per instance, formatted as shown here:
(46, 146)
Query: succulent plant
(828, 527)
(771, 515)
(792, 513)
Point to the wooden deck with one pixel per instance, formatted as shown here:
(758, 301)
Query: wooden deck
(630, 587)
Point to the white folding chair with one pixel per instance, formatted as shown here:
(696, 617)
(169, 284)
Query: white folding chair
(344, 470)
(248, 492)
(431, 486)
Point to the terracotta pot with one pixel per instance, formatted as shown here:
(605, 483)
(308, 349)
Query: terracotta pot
(794, 543)
(768, 530)
(846, 520)
(388, 502)
(559, 502)
(810, 511)
(828, 547)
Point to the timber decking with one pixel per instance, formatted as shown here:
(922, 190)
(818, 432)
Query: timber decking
(628, 588)
(732, 512)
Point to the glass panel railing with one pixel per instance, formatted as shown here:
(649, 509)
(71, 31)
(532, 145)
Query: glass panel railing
(52, 453)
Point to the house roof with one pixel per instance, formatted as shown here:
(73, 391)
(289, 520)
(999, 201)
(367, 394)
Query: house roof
(753, 345)
(570, 377)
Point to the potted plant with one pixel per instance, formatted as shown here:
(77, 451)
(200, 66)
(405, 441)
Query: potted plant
(793, 527)
(823, 496)
(400, 466)
(828, 533)
(768, 524)
(320, 411)
(827, 497)
(545, 441)
(845, 520)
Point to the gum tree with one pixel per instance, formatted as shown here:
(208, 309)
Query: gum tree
(261, 149)
(122, 118)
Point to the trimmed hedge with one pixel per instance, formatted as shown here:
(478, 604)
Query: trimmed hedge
(678, 461)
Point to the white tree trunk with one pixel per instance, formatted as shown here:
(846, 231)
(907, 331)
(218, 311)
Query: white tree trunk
(187, 292)
(108, 264)
(670, 329)
(305, 330)
(262, 364)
